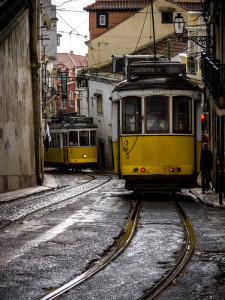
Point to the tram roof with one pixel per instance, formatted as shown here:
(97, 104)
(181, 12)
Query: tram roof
(64, 125)
(163, 82)
(153, 75)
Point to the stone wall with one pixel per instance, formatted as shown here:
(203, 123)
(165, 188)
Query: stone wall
(17, 144)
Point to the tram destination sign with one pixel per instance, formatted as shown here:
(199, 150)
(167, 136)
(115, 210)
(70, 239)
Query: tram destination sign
(155, 69)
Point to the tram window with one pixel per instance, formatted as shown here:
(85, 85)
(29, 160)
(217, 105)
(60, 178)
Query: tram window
(73, 138)
(131, 114)
(65, 139)
(93, 138)
(84, 138)
(157, 114)
(55, 140)
(181, 114)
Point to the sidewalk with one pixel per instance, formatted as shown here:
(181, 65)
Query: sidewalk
(48, 184)
(209, 198)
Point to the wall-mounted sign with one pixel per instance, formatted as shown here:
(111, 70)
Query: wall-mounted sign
(64, 85)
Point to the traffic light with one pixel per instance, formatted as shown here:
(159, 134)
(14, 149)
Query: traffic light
(203, 121)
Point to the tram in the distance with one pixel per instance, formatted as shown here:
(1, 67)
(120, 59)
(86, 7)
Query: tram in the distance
(73, 143)
(157, 128)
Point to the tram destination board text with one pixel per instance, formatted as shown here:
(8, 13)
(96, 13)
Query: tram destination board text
(155, 69)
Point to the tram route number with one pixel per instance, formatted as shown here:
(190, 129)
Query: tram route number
(156, 92)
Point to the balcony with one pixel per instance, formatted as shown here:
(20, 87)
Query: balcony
(213, 75)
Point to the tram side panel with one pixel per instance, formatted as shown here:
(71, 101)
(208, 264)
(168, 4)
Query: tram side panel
(54, 155)
(81, 155)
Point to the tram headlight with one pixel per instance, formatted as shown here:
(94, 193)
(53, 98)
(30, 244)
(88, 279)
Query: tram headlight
(178, 169)
(84, 155)
(143, 169)
(136, 169)
(171, 169)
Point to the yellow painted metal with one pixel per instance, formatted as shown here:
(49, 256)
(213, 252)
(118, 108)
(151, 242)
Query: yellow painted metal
(115, 157)
(72, 155)
(157, 154)
(54, 155)
(79, 155)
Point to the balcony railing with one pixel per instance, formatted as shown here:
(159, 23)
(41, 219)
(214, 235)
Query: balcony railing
(213, 77)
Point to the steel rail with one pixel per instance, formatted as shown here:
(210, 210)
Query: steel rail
(58, 202)
(184, 258)
(111, 255)
(49, 192)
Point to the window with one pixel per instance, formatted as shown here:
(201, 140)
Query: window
(132, 115)
(70, 75)
(63, 104)
(71, 100)
(167, 17)
(102, 20)
(73, 138)
(99, 103)
(93, 138)
(84, 138)
(182, 114)
(55, 142)
(157, 114)
(65, 139)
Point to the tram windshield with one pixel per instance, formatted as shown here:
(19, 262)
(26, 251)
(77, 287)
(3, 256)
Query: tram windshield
(157, 114)
(84, 138)
(131, 114)
(73, 138)
(93, 138)
(182, 114)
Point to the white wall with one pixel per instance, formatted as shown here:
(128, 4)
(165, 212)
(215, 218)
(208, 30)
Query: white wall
(102, 85)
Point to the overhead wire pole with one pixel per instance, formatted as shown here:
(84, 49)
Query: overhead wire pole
(153, 28)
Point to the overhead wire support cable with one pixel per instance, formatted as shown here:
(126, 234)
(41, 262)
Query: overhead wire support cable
(153, 28)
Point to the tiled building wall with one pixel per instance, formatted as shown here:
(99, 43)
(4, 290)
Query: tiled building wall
(114, 19)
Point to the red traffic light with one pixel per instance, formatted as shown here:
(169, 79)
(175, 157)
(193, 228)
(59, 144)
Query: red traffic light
(202, 117)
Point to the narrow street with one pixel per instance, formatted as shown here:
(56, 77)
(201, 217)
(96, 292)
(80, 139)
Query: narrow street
(49, 238)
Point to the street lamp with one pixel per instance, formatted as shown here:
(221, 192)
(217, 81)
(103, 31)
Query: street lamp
(202, 41)
(179, 25)
(45, 87)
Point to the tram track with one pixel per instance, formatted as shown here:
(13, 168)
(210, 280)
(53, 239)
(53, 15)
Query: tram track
(182, 261)
(121, 244)
(120, 247)
(65, 194)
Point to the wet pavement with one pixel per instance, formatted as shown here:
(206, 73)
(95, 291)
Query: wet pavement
(51, 182)
(202, 279)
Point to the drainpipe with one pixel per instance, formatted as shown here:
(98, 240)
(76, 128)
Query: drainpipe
(221, 175)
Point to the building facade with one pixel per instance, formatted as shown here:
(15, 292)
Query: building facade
(213, 71)
(21, 135)
(72, 98)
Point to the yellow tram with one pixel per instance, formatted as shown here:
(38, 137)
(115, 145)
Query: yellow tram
(73, 144)
(157, 128)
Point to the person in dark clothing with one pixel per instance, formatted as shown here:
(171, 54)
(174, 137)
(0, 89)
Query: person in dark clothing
(206, 164)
